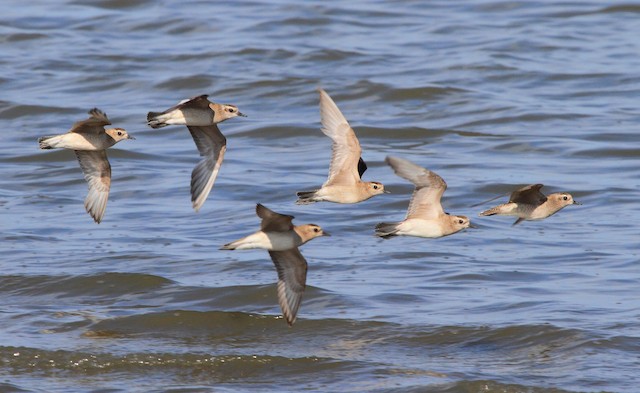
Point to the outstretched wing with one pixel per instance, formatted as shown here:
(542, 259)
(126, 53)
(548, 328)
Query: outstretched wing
(346, 151)
(212, 146)
(97, 172)
(94, 124)
(529, 195)
(272, 221)
(198, 102)
(425, 202)
(292, 278)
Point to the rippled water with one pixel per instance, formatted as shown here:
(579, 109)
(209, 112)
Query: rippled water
(490, 94)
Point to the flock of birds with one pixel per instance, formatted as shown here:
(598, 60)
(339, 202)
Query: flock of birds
(425, 216)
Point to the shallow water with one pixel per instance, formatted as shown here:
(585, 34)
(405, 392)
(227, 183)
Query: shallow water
(491, 95)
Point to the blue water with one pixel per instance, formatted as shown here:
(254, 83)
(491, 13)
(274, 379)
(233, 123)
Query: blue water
(490, 95)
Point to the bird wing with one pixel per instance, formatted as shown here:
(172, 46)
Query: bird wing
(93, 125)
(97, 172)
(292, 278)
(425, 201)
(346, 151)
(529, 195)
(212, 146)
(198, 102)
(272, 221)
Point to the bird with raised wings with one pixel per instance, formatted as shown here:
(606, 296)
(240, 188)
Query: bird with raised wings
(425, 216)
(344, 184)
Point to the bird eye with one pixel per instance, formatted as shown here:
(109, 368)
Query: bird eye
(460, 222)
(565, 197)
(316, 229)
(120, 133)
(375, 187)
(231, 110)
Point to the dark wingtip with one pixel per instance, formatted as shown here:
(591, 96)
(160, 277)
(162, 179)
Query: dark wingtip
(262, 211)
(290, 318)
(362, 167)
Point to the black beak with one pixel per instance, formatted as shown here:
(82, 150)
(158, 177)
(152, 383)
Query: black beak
(242, 114)
(325, 233)
(577, 203)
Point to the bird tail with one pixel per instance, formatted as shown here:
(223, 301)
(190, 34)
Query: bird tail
(245, 243)
(47, 142)
(387, 229)
(306, 197)
(492, 211)
(156, 119)
(230, 246)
